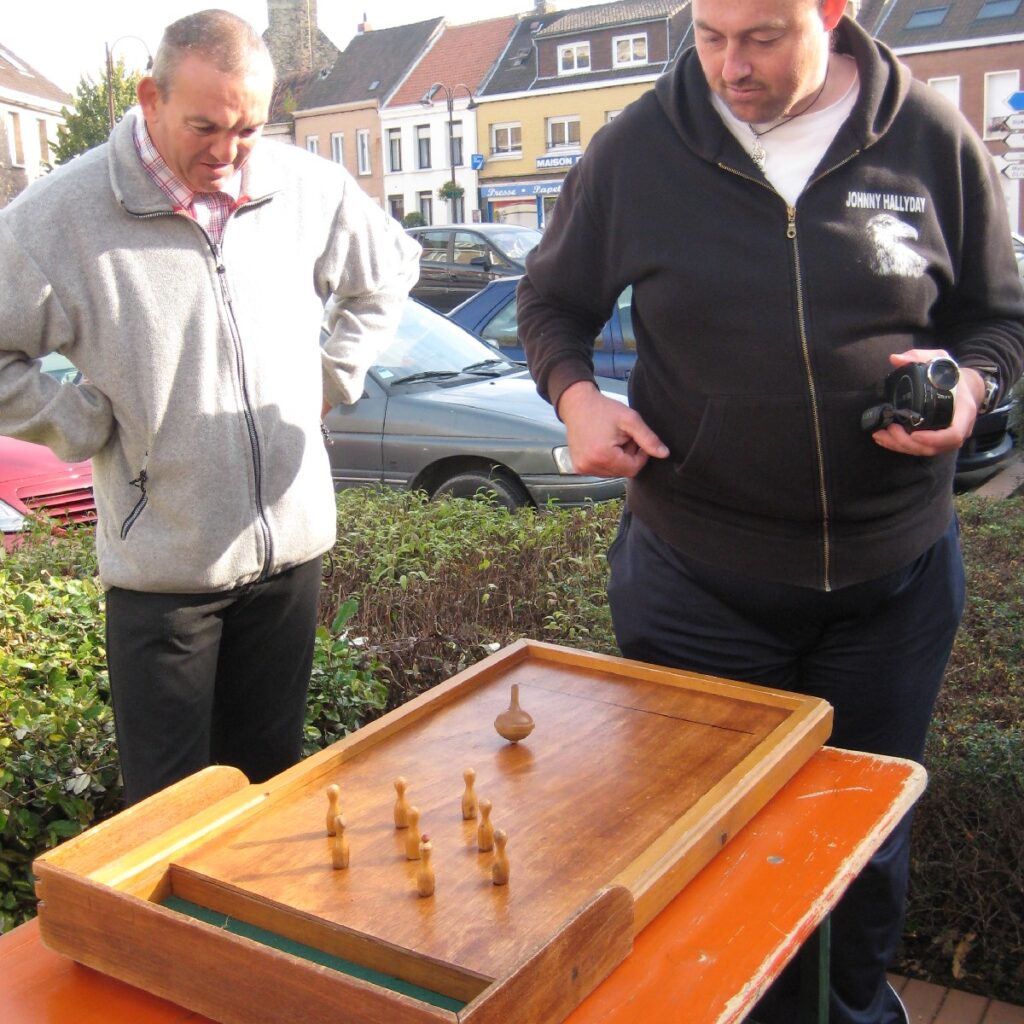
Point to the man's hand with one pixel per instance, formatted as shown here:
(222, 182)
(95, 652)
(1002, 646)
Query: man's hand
(967, 396)
(606, 438)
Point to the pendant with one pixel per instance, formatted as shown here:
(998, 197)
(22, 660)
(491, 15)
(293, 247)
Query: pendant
(757, 153)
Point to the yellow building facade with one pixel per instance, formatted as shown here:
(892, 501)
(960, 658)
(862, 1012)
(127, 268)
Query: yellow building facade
(532, 139)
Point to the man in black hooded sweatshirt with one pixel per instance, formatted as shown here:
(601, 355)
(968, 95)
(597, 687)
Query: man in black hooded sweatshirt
(797, 218)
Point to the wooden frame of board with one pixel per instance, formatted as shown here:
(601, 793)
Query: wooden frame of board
(221, 895)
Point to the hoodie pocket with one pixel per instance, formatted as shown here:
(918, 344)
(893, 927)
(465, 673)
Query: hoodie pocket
(140, 481)
(755, 454)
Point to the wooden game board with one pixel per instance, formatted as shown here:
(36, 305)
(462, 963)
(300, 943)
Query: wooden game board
(222, 895)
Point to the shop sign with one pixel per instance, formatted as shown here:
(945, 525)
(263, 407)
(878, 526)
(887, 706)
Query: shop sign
(557, 161)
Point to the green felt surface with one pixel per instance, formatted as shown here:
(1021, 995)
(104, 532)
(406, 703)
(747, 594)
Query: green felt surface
(316, 956)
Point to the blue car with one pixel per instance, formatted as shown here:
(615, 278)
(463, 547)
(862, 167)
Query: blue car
(491, 313)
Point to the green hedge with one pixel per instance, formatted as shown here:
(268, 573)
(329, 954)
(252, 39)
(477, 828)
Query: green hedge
(417, 590)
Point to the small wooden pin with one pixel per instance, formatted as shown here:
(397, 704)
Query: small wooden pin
(412, 840)
(500, 868)
(485, 830)
(469, 797)
(339, 851)
(514, 724)
(401, 804)
(425, 873)
(333, 807)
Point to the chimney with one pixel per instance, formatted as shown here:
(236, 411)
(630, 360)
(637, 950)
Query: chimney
(545, 7)
(364, 26)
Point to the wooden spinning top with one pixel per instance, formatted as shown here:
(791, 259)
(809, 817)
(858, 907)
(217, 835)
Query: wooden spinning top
(514, 724)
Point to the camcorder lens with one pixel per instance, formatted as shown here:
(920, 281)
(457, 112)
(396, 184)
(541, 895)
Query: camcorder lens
(943, 374)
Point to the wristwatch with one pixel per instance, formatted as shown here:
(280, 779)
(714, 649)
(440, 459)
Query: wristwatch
(991, 379)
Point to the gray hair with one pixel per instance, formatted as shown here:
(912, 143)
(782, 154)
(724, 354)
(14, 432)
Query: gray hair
(228, 42)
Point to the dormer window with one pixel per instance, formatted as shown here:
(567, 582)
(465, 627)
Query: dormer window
(573, 58)
(629, 50)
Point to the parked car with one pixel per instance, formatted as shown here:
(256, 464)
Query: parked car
(33, 481)
(445, 413)
(459, 259)
(491, 313)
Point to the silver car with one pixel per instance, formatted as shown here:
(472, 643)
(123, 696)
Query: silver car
(446, 413)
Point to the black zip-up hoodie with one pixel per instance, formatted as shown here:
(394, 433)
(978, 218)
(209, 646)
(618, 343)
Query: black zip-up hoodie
(763, 330)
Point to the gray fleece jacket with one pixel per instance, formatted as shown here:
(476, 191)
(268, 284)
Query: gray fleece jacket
(204, 369)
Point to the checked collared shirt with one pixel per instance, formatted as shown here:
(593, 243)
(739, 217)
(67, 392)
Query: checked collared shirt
(208, 209)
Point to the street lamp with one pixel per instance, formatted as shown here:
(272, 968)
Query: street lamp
(449, 97)
(110, 72)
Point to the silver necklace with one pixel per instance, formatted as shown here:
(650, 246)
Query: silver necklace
(757, 152)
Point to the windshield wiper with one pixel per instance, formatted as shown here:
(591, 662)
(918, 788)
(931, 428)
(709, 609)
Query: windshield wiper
(486, 367)
(412, 378)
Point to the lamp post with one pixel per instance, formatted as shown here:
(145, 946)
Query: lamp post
(449, 97)
(110, 72)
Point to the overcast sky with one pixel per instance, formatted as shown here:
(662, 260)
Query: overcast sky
(64, 39)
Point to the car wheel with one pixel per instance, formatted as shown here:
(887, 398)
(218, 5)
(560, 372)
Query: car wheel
(496, 487)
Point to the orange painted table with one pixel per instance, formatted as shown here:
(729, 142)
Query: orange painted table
(705, 959)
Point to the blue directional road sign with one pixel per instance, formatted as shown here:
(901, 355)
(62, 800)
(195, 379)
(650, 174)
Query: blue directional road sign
(1016, 101)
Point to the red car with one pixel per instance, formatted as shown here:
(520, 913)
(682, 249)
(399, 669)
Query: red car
(33, 481)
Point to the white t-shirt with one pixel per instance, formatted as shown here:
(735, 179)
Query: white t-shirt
(794, 148)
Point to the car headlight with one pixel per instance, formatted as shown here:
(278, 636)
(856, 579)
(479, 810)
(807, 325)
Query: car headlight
(11, 520)
(563, 460)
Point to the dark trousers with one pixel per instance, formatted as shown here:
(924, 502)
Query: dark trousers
(875, 651)
(216, 678)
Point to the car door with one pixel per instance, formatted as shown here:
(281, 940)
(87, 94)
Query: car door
(433, 287)
(355, 450)
(474, 263)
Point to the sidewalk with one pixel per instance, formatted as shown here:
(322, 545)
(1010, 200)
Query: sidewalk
(933, 1004)
(1007, 483)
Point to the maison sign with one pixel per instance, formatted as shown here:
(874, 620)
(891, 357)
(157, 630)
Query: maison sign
(557, 161)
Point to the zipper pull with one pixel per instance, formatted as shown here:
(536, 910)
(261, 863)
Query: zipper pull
(791, 226)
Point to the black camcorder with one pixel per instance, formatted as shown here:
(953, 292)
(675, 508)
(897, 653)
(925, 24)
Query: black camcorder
(919, 396)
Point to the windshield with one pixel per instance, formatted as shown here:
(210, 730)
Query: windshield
(429, 344)
(514, 242)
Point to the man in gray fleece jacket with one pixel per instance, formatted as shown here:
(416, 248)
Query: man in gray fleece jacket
(184, 270)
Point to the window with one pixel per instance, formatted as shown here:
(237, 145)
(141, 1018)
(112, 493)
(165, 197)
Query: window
(338, 147)
(363, 150)
(313, 143)
(14, 131)
(44, 142)
(997, 9)
(949, 86)
(458, 207)
(394, 149)
(422, 145)
(563, 132)
(627, 50)
(610, 115)
(396, 206)
(469, 247)
(502, 329)
(928, 17)
(573, 58)
(999, 87)
(426, 205)
(455, 143)
(433, 243)
(506, 139)
(625, 304)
